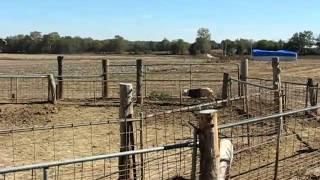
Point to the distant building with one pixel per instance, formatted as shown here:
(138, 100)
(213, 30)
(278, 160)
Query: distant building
(264, 55)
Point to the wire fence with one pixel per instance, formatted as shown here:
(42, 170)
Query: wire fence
(84, 79)
(36, 144)
(268, 155)
(295, 94)
(263, 158)
(23, 89)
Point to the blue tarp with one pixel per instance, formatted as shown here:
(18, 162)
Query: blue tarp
(258, 52)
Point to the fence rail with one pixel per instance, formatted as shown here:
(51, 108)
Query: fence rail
(256, 160)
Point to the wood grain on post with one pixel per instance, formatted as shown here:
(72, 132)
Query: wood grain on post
(277, 87)
(276, 71)
(225, 88)
(209, 144)
(139, 93)
(60, 77)
(125, 112)
(105, 77)
(279, 108)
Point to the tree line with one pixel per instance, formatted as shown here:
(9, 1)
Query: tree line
(302, 42)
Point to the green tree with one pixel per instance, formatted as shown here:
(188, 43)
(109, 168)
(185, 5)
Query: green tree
(164, 45)
(179, 47)
(318, 41)
(49, 42)
(118, 44)
(229, 47)
(301, 41)
(267, 45)
(3, 43)
(215, 45)
(203, 43)
(243, 46)
(35, 39)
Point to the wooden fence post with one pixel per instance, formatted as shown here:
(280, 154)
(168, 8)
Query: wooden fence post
(312, 93)
(243, 77)
(60, 77)
(278, 108)
(277, 84)
(126, 132)
(139, 93)
(209, 145)
(244, 72)
(105, 78)
(52, 89)
(225, 86)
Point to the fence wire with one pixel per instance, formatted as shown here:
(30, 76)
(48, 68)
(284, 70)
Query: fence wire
(296, 155)
(23, 89)
(83, 79)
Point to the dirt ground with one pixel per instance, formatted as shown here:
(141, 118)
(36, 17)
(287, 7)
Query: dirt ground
(40, 115)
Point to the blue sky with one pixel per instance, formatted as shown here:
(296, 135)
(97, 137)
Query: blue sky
(156, 19)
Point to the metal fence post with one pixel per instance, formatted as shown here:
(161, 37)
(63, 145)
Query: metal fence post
(243, 77)
(194, 154)
(139, 93)
(209, 144)
(105, 78)
(60, 77)
(45, 173)
(141, 146)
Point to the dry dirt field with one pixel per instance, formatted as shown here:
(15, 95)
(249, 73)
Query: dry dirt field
(29, 115)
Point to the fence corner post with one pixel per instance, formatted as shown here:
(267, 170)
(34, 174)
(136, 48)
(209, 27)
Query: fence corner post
(139, 93)
(126, 134)
(105, 78)
(209, 144)
(60, 77)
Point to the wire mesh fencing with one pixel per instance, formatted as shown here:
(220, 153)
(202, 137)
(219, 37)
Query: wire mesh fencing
(38, 144)
(295, 94)
(175, 78)
(162, 163)
(85, 79)
(23, 89)
(269, 153)
(272, 154)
